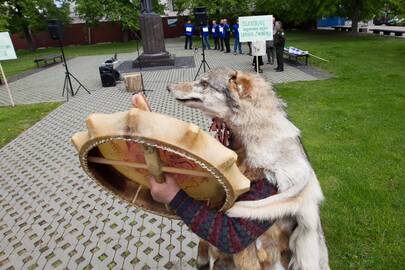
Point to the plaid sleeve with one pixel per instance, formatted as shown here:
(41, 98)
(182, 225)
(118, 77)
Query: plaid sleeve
(228, 234)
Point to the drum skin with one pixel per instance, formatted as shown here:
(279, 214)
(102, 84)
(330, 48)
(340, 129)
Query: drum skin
(121, 136)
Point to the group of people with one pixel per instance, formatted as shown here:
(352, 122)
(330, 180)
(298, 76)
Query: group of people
(221, 33)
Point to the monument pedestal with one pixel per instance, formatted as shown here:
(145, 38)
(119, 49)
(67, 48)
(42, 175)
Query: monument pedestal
(153, 43)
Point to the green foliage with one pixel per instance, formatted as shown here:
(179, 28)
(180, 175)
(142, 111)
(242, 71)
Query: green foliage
(397, 7)
(90, 11)
(366, 9)
(217, 9)
(4, 19)
(125, 11)
(293, 10)
(32, 14)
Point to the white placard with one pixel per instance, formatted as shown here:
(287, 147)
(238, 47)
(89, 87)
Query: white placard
(221, 29)
(189, 29)
(255, 28)
(213, 29)
(205, 29)
(7, 51)
(259, 48)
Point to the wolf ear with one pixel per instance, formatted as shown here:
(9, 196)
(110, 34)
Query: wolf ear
(232, 86)
(245, 85)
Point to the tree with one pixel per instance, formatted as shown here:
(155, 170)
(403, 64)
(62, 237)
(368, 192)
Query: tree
(90, 11)
(125, 11)
(218, 8)
(295, 12)
(28, 15)
(4, 19)
(357, 10)
(397, 7)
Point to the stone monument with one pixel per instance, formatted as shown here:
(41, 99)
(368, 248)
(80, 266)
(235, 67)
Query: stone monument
(153, 43)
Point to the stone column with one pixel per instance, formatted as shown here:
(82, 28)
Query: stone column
(153, 43)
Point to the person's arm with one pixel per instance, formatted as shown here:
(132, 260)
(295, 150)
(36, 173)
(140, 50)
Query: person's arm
(230, 235)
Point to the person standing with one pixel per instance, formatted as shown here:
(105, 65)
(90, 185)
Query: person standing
(236, 43)
(205, 37)
(227, 36)
(221, 34)
(258, 50)
(270, 49)
(279, 43)
(188, 32)
(250, 47)
(215, 36)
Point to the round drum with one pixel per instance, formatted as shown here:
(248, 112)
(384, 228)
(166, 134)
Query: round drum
(116, 152)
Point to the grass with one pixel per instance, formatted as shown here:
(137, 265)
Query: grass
(15, 120)
(353, 129)
(25, 59)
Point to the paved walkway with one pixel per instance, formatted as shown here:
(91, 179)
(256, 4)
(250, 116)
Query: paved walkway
(46, 85)
(52, 216)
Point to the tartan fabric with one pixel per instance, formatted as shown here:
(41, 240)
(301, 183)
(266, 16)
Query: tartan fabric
(230, 235)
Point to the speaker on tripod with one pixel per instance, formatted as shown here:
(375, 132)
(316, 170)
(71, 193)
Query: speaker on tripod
(55, 29)
(200, 15)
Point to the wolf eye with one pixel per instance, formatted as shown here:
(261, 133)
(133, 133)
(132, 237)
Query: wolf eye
(204, 84)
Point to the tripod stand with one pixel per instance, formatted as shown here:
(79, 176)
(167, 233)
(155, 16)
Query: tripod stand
(67, 85)
(140, 64)
(203, 61)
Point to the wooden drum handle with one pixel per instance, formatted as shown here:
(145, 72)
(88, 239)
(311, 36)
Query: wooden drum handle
(151, 154)
(153, 162)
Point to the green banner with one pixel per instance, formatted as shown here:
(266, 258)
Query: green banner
(256, 28)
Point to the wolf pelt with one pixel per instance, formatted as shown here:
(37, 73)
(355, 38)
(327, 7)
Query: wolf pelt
(271, 143)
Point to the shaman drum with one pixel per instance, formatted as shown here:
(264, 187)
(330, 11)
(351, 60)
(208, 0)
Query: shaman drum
(120, 150)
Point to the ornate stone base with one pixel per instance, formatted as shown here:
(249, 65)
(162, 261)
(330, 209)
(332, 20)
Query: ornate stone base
(154, 60)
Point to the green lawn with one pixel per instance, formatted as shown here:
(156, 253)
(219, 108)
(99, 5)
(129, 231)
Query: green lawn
(354, 131)
(25, 59)
(15, 120)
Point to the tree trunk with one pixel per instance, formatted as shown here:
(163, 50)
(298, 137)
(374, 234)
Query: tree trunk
(28, 38)
(355, 16)
(25, 29)
(89, 35)
(125, 35)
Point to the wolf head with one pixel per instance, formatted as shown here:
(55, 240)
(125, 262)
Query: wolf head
(220, 92)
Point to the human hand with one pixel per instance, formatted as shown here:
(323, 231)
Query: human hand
(164, 192)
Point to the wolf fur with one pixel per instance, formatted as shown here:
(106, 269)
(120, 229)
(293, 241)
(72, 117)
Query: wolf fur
(271, 144)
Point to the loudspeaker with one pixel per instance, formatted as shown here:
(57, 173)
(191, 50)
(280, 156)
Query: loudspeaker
(55, 29)
(107, 75)
(200, 15)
